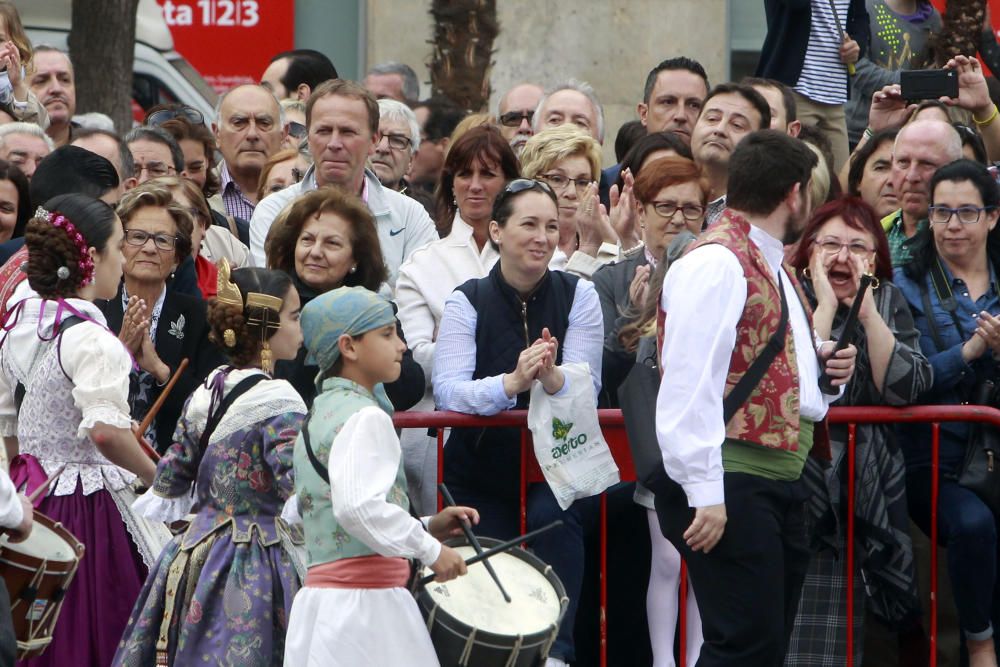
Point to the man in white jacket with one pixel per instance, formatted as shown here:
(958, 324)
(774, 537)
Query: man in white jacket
(342, 119)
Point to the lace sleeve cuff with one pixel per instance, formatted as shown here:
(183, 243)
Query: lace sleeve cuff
(8, 427)
(107, 413)
(158, 508)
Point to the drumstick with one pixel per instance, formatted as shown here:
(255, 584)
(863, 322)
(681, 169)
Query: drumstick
(500, 548)
(148, 419)
(44, 485)
(473, 540)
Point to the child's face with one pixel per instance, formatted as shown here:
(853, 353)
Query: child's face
(380, 352)
(287, 340)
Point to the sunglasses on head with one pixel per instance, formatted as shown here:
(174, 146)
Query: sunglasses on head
(519, 185)
(160, 117)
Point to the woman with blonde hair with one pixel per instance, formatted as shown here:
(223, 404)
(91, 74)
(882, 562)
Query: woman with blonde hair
(569, 161)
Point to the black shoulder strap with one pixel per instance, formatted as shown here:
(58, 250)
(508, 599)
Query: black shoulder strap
(320, 469)
(245, 385)
(945, 295)
(741, 392)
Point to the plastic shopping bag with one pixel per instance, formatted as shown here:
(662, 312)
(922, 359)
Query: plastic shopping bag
(569, 445)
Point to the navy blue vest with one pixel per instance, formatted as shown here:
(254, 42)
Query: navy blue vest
(488, 460)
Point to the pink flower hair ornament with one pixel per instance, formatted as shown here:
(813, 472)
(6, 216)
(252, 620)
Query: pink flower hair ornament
(85, 262)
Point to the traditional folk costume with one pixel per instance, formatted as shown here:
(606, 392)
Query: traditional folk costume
(74, 376)
(222, 589)
(724, 301)
(354, 608)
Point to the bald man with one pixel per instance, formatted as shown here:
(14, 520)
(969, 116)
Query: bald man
(249, 129)
(921, 148)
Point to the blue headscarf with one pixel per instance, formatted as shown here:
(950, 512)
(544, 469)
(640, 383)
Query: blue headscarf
(345, 310)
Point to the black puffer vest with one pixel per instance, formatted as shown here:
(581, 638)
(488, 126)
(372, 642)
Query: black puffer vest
(488, 460)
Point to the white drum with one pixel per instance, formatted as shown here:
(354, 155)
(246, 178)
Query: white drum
(471, 623)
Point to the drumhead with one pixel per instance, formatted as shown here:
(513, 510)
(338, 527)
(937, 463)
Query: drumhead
(43, 543)
(474, 599)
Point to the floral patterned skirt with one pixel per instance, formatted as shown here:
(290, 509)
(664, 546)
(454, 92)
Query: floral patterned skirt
(219, 602)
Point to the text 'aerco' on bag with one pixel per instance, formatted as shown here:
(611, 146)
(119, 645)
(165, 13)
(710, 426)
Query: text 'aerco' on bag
(569, 445)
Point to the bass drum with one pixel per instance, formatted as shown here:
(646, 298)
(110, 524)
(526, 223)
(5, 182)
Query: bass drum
(472, 625)
(37, 573)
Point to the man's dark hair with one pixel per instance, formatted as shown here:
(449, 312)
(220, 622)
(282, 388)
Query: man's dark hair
(124, 154)
(681, 62)
(764, 167)
(787, 97)
(444, 115)
(860, 158)
(71, 169)
(746, 92)
(159, 136)
(306, 66)
(628, 134)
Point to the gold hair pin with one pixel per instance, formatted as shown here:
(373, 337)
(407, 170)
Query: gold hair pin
(226, 291)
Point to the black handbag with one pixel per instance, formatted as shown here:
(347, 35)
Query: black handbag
(980, 472)
(637, 396)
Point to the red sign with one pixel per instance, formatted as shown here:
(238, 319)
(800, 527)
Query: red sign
(230, 42)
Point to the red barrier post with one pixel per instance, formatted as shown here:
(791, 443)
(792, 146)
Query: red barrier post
(611, 421)
(849, 538)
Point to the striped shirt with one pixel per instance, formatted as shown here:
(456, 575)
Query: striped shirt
(824, 76)
(236, 204)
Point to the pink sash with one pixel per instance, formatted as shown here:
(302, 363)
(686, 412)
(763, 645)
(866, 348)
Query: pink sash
(360, 572)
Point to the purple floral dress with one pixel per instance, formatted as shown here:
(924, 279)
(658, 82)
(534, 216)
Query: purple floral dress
(221, 591)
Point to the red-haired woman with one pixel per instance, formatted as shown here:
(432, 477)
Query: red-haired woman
(841, 242)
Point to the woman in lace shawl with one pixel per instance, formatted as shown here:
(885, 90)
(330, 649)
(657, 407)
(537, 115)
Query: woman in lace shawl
(842, 241)
(223, 588)
(64, 400)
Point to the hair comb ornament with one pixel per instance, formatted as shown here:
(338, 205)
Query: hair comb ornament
(226, 291)
(84, 261)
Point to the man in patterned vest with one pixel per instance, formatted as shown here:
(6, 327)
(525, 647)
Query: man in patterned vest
(737, 515)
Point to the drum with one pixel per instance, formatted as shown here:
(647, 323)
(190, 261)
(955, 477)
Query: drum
(37, 573)
(471, 624)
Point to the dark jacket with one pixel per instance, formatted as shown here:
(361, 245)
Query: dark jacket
(612, 282)
(788, 23)
(488, 460)
(182, 332)
(404, 393)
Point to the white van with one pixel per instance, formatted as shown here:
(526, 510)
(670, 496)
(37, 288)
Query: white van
(162, 76)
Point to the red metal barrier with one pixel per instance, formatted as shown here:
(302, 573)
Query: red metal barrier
(614, 432)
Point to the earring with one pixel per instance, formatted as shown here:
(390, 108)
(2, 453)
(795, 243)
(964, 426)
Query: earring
(806, 273)
(266, 359)
(353, 269)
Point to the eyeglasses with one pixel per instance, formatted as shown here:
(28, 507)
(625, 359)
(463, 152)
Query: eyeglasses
(832, 246)
(514, 118)
(296, 130)
(155, 169)
(967, 215)
(667, 209)
(138, 238)
(397, 142)
(560, 182)
(163, 115)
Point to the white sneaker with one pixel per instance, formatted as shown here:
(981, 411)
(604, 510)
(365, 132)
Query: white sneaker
(556, 662)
